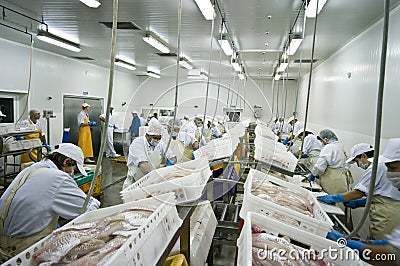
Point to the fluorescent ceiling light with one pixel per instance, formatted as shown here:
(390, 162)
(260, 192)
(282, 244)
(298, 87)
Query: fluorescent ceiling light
(56, 40)
(124, 64)
(203, 75)
(235, 64)
(156, 42)
(282, 66)
(184, 62)
(206, 9)
(196, 74)
(277, 76)
(226, 45)
(153, 74)
(241, 75)
(312, 6)
(294, 45)
(91, 3)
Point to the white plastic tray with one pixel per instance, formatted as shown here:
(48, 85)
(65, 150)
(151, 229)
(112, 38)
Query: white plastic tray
(345, 255)
(274, 153)
(146, 244)
(218, 148)
(186, 189)
(320, 225)
(265, 132)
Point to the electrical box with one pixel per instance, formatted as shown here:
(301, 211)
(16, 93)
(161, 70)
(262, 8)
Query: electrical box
(257, 111)
(48, 113)
(234, 114)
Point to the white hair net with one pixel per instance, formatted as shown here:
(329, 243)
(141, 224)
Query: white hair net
(328, 135)
(177, 123)
(154, 130)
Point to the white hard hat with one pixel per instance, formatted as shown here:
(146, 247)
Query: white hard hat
(85, 105)
(135, 112)
(290, 119)
(391, 153)
(155, 129)
(75, 153)
(357, 150)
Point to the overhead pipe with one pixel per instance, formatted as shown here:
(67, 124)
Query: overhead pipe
(378, 124)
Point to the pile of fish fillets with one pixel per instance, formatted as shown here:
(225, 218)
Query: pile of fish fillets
(268, 249)
(94, 242)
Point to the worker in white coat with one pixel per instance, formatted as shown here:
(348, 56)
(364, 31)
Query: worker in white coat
(189, 136)
(388, 247)
(145, 154)
(330, 164)
(31, 205)
(110, 151)
(295, 124)
(384, 213)
(311, 148)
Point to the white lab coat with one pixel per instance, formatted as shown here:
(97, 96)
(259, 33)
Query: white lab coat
(110, 151)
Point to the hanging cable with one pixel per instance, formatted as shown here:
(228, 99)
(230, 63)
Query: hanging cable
(109, 97)
(378, 123)
(176, 79)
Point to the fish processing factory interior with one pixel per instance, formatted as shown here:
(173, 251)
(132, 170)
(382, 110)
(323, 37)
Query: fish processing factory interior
(199, 132)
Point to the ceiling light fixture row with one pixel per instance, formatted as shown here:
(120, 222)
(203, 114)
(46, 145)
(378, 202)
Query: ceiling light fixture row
(153, 74)
(125, 63)
(46, 36)
(311, 8)
(91, 3)
(158, 43)
(185, 62)
(206, 8)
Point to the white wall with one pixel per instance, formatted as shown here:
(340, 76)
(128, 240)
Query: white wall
(54, 75)
(348, 104)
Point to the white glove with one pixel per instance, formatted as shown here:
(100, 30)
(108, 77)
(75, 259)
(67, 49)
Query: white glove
(93, 204)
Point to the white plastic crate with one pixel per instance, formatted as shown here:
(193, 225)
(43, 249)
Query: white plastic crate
(274, 153)
(345, 255)
(146, 244)
(265, 132)
(186, 189)
(218, 148)
(320, 224)
(237, 131)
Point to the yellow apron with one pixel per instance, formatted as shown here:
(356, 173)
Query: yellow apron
(177, 148)
(312, 158)
(384, 215)
(11, 246)
(134, 172)
(25, 156)
(85, 139)
(333, 181)
(187, 154)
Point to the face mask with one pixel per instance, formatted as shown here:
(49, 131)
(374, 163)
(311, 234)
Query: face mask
(72, 174)
(394, 177)
(154, 142)
(362, 165)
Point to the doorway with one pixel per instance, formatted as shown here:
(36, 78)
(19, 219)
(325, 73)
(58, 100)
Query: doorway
(72, 105)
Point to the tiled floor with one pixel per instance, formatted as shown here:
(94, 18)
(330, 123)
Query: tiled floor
(114, 174)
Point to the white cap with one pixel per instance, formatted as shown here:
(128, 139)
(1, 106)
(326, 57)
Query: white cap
(391, 153)
(85, 105)
(297, 134)
(290, 119)
(2, 115)
(34, 111)
(135, 112)
(154, 130)
(357, 150)
(74, 152)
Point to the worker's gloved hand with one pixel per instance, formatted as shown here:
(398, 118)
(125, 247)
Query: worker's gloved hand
(215, 136)
(331, 198)
(19, 138)
(354, 204)
(311, 177)
(93, 204)
(92, 123)
(286, 141)
(115, 127)
(334, 235)
(169, 163)
(380, 242)
(353, 244)
(304, 155)
(46, 145)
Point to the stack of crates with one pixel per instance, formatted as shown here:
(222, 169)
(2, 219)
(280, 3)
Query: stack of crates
(84, 182)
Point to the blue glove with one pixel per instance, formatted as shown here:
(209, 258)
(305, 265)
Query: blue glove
(304, 155)
(19, 138)
(215, 135)
(311, 177)
(334, 235)
(354, 204)
(286, 141)
(169, 163)
(115, 127)
(92, 123)
(46, 145)
(195, 149)
(331, 198)
(353, 244)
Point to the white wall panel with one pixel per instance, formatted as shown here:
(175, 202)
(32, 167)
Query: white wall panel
(346, 103)
(54, 75)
